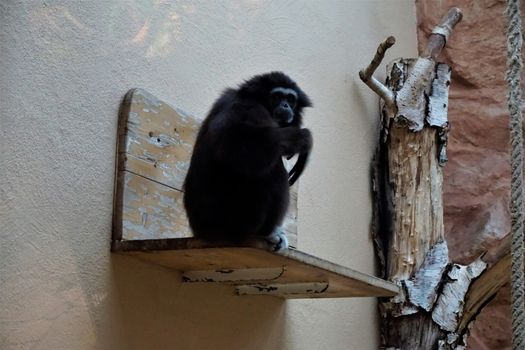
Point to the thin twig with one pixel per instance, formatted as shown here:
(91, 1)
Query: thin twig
(367, 77)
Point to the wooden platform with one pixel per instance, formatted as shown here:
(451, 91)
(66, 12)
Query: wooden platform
(252, 270)
(154, 146)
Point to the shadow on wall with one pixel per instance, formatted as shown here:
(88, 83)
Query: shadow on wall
(151, 309)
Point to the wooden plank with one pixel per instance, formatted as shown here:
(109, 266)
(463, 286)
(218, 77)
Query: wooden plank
(233, 275)
(287, 290)
(299, 267)
(154, 148)
(152, 210)
(157, 139)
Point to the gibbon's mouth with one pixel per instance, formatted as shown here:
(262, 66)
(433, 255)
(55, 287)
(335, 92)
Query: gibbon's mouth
(285, 117)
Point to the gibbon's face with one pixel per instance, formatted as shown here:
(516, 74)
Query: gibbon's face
(282, 105)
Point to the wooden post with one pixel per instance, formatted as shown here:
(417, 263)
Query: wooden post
(408, 213)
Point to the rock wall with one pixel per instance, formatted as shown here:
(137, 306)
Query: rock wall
(476, 184)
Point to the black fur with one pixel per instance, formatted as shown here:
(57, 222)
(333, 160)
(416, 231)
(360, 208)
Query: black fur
(237, 187)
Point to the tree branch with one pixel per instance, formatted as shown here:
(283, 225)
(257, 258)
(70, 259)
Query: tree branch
(367, 77)
(441, 32)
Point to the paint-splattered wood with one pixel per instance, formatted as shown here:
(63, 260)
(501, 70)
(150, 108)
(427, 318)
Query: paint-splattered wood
(295, 274)
(155, 142)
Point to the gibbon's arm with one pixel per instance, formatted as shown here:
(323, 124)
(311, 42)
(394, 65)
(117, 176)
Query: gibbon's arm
(298, 141)
(298, 168)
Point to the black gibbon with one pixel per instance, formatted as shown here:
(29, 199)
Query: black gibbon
(237, 187)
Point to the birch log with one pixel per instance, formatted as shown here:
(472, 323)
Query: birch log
(408, 228)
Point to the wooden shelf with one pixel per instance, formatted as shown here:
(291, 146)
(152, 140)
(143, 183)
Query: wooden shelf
(255, 271)
(154, 147)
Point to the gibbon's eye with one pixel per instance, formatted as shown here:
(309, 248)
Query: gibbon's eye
(276, 98)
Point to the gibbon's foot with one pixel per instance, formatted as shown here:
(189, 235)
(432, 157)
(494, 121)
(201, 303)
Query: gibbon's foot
(277, 241)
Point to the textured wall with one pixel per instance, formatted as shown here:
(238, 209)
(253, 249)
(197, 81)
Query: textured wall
(64, 68)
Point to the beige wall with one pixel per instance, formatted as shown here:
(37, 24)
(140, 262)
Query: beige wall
(64, 67)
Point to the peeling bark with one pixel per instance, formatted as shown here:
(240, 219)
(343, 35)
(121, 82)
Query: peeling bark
(423, 287)
(449, 308)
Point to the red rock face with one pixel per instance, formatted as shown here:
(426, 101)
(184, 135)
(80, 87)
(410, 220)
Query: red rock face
(476, 185)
